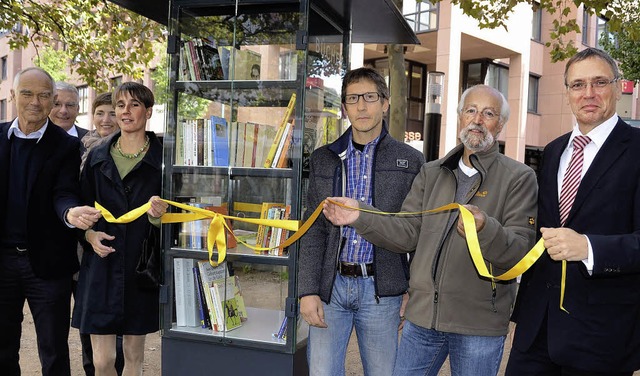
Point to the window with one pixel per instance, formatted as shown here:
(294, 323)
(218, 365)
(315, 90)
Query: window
(3, 68)
(3, 110)
(498, 78)
(536, 27)
(585, 27)
(83, 96)
(532, 98)
(115, 82)
(488, 73)
(602, 31)
(421, 16)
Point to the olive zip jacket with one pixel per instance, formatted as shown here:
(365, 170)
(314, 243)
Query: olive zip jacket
(446, 292)
(395, 166)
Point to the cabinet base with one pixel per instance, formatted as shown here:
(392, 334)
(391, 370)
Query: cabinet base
(185, 357)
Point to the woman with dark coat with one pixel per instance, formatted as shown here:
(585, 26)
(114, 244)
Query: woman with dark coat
(121, 174)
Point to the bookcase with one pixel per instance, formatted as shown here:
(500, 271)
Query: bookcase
(254, 88)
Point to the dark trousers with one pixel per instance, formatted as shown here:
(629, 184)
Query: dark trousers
(49, 301)
(537, 362)
(87, 350)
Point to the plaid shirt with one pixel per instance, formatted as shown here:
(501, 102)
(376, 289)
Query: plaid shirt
(359, 166)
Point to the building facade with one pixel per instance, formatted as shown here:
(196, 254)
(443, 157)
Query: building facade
(513, 60)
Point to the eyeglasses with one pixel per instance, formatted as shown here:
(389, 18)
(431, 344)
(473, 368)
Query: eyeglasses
(599, 84)
(487, 113)
(368, 97)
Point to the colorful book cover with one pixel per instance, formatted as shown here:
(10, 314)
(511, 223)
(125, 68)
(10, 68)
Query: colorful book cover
(230, 308)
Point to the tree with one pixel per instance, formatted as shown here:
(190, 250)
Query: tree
(100, 39)
(397, 88)
(626, 51)
(621, 16)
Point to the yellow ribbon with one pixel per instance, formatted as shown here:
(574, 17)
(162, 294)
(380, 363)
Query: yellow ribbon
(216, 237)
(216, 234)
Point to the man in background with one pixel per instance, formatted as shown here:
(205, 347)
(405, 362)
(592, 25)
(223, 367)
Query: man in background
(66, 108)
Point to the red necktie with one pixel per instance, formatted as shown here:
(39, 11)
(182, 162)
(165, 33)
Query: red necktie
(572, 177)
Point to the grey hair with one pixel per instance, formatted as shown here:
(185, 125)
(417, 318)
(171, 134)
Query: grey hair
(64, 86)
(16, 79)
(589, 53)
(505, 112)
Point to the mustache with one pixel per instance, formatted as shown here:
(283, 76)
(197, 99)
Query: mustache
(477, 127)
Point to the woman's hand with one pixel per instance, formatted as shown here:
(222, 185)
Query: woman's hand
(158, 207)
(95, 238)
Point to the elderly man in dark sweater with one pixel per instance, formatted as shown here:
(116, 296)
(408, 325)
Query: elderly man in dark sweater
(345, 281)
(39, 206)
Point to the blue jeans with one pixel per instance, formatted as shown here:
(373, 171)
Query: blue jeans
(422, 352)
(353, 303)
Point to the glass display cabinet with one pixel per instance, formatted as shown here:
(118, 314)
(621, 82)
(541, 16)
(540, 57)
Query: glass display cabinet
(255, 88)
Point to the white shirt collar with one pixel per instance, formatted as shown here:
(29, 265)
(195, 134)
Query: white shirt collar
(599, 134)
(15, 129)
(73, 131)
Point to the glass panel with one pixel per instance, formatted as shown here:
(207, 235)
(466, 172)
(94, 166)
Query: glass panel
(416, 79)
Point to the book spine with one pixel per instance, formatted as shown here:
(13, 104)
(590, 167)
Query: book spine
(284, 155)
(283, 124)
(178, 281)
(202, 304)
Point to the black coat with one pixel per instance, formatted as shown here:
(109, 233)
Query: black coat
(108, 300)
(52, 185)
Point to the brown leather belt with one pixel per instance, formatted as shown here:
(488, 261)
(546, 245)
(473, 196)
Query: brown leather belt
(349, 269)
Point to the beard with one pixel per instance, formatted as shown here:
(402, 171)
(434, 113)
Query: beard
(474, 142)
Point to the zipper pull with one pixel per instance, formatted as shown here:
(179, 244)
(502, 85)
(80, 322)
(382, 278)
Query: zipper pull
(377, 299)
(493, 300)
(435, 297)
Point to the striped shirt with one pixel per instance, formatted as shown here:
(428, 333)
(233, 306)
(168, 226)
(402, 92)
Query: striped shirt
(359, 166)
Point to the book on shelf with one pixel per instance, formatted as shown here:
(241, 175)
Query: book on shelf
(233, 144)
(246, 64)
(211, 63)
(220, 144)
(267, 211)
(285, 147)
(203, 309)
(248, 158)
(266, 135)
(179, 151)
(229, 304)
(281, 131)
(282, 330)
(209, 274)
(187, 311)
(282, 233)
(200, 142)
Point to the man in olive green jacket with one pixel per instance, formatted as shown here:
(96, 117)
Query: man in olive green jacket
(452, 310)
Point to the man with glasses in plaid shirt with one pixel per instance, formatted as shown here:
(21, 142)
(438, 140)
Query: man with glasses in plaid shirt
(345, 281)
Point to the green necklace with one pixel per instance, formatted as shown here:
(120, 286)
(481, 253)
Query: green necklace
(136, 154)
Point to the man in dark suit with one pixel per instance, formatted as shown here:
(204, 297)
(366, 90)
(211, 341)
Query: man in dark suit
(66, 109)
(598, 236)
(39, 207)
